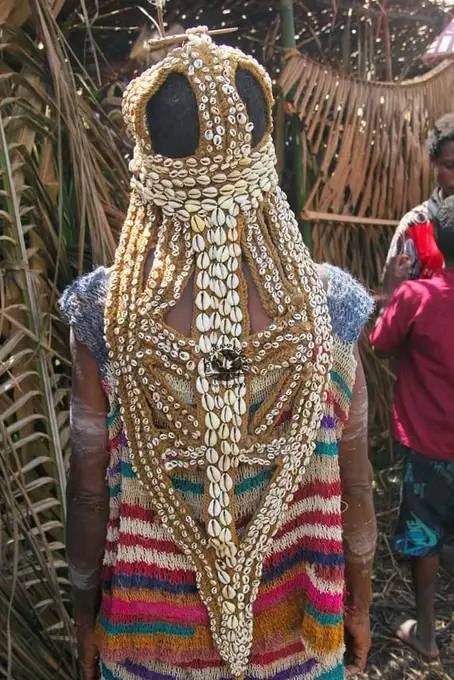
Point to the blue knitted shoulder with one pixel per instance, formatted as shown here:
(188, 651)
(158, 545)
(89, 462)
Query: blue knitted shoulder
(349, 304)
(82, 307)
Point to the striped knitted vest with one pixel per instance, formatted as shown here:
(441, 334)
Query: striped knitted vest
(153, 623)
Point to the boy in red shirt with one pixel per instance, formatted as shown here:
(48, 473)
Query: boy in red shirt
(417, 326)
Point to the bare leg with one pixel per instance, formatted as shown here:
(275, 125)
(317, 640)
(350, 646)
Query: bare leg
(420, 634)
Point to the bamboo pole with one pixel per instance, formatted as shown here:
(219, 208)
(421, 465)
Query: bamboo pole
(289, 42)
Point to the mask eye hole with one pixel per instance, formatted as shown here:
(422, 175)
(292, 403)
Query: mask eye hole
(255, 102)
(173, 119)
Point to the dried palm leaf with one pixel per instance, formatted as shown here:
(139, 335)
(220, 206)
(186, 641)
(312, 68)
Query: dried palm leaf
(361, 132)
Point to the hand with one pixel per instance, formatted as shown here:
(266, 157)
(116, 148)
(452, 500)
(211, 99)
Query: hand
(397, 271)
(357, 640)
(87, 652)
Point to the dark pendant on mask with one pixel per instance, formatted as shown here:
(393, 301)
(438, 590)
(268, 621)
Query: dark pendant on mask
(225, 364)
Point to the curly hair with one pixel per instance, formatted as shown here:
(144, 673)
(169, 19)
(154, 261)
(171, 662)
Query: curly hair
(442, 132)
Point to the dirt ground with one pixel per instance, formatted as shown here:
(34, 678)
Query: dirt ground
(393, 602)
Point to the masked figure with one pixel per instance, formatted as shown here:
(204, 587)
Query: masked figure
(226, 360)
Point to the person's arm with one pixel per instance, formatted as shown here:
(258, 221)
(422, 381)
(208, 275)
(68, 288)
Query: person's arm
(87, 500)
(398, 270)
(402, 245)
(359, 524)
(395, 320)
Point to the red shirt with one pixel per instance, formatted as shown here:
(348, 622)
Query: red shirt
(418, 326)
(430, 258)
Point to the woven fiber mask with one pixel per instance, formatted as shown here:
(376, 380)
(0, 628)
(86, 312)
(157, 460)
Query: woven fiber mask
(223, 399)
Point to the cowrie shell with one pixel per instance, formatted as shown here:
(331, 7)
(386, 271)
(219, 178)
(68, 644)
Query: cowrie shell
(235, 250)
(226, 414)
(265, 184)
(198, 243)
(226, 447)
(232, 281)
(203, 300)
(216, 320)
(236, 330)
(226, 483)
(224, 308)
(212, 421)
(236, 434)
(214, 528)
(203, 323)
(208, 402)
(214, 475)
(228, 607)
(210, 192)
(232, 264)
(232, 622)
(230, 397)
(241, 199)
(226, 203)
(192, 206)
(224, 464)
(225, 517)
(203, 280)
(212, 457)
(226, 326)
(183, 215)
(236, 314)
(231, 560)
(219, 236)
(223, 575)
(221, 272)
(209, 204)
(226, 535)
(227, 189)
(224, 499)
(218, 216)
(201, 385)
(233, 298)
(214, 508)
(203, 260)
(197, 223)
(224, 431)
(210, 438)
(228, 592)
(222, 253)
(240, 407)
(205, 344)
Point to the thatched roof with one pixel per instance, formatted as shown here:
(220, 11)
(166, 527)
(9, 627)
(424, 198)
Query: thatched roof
(352, 35)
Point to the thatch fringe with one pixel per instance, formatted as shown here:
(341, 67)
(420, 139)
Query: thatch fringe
(368, 137)
(366, 143)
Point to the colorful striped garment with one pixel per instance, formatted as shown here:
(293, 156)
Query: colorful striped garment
(153, 624)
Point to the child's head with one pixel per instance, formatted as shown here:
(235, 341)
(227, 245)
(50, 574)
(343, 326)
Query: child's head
(444, 229)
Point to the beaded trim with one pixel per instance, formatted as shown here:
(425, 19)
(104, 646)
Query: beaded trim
(204, 214)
